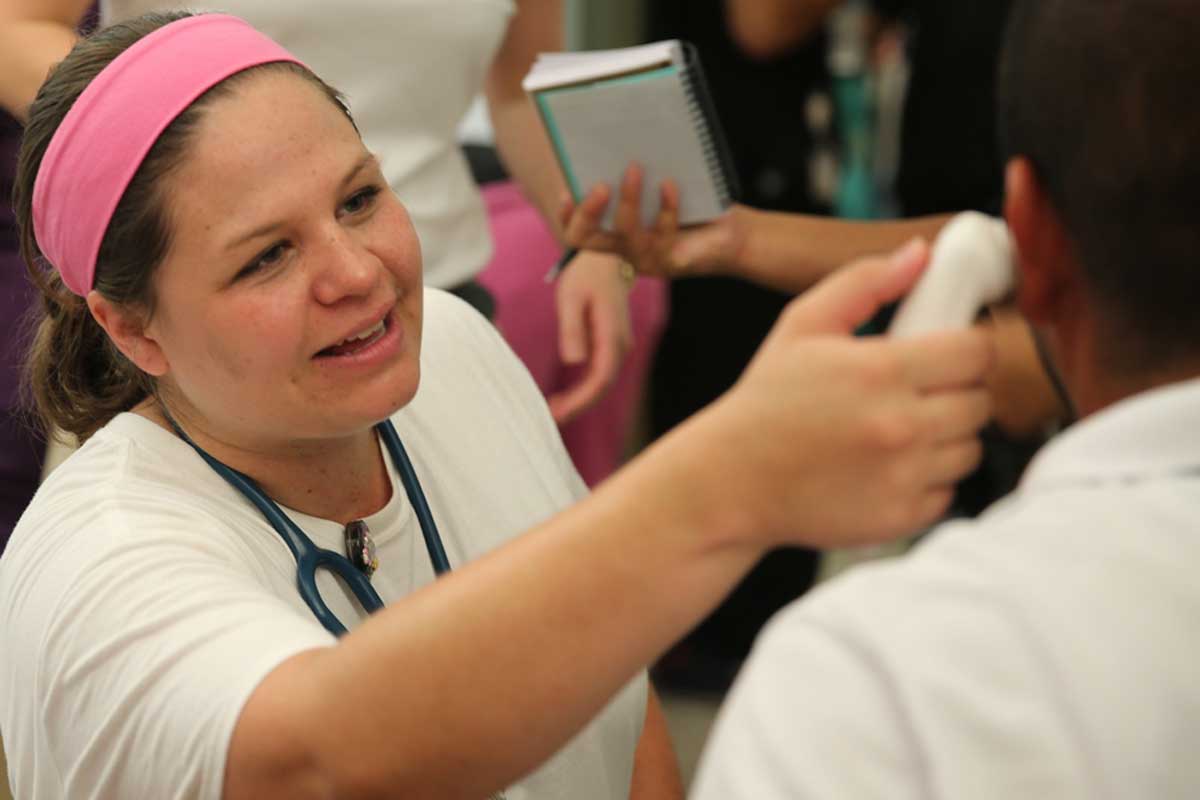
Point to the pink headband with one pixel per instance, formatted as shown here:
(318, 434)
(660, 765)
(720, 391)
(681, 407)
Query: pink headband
(101, 142)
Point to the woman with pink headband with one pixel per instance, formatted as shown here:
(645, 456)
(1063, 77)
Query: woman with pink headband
(234, 326)
(409, 69)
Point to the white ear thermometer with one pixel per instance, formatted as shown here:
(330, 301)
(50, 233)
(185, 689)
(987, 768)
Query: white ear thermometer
(971, 265)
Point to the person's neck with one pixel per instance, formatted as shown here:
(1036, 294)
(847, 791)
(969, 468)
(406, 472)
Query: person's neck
(1100, 389)
(1098, 378)
(336, 479)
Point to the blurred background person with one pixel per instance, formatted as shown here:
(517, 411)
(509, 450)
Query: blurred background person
(1047, 648)
(525, 250)
(20, 448)
(776, 113)
(795, 247)
(949, 152)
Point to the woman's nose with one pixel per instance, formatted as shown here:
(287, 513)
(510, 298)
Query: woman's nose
(344, 268)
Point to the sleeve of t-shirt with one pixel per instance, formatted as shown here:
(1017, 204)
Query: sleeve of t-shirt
(147, 648)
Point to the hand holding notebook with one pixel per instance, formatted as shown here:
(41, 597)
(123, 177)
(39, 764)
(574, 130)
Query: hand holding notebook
(606, 109)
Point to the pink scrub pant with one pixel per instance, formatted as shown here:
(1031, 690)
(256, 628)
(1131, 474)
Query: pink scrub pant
(526, 316)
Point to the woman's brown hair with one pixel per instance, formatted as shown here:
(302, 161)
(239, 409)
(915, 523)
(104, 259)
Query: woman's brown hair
(76, 377)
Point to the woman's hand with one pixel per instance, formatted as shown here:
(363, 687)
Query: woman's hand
(663, 249)
(594, 329)
(831, 441)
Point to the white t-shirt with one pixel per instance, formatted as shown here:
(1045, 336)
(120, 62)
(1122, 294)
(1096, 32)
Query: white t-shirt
(142, 598)
(409, 69)
(1048, 650)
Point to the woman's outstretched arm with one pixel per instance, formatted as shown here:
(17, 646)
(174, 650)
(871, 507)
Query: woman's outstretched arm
(462, 687)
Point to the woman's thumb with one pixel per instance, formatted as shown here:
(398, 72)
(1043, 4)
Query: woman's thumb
(853, 294)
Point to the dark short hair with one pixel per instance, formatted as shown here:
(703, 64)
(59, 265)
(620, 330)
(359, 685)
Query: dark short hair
(76, 377)
(1100, 96)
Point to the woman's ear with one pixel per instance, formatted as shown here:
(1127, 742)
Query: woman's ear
(127, 330)
(1046, 260)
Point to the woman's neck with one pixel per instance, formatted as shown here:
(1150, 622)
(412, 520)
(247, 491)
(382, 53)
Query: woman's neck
(336, 479)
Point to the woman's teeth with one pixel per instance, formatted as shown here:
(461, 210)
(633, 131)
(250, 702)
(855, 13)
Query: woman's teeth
(356, 342)
(368, 333)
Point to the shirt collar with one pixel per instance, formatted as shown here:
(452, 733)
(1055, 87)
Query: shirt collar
(1153, 433)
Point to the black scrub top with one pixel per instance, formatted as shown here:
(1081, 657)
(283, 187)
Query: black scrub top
(950, 150)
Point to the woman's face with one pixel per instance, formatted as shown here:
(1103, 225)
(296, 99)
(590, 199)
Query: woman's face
(289, 305)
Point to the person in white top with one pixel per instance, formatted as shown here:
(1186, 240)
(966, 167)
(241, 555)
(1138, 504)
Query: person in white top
(409, 70)
(209, 543)
(234, 323)
(1049, 648)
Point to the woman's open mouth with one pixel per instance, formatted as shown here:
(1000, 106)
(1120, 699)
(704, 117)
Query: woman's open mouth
(359, 341)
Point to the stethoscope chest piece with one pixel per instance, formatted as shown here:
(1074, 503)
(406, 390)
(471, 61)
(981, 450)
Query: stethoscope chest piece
(356, 567)
(360, 547)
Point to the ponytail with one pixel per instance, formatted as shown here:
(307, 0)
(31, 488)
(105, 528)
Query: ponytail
(76, 378)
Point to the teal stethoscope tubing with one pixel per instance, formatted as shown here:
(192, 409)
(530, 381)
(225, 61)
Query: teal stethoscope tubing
(309, 557)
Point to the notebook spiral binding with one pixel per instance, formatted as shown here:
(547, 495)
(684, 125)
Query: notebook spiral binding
(705, 121)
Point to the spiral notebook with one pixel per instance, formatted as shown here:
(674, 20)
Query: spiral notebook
(603, 109)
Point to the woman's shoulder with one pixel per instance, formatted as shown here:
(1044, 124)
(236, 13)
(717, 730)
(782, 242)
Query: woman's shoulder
(450, 321)
(127, 451)
(461, 349)
(130, 469)
(476, 396)
(462, 352)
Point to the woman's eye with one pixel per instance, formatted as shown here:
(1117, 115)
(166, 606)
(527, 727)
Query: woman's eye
(269, 257)
(360, 200)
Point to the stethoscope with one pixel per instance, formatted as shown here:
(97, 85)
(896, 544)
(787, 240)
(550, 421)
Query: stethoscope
(309, 557)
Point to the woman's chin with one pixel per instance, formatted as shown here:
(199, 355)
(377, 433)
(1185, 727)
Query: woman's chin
(389, 400)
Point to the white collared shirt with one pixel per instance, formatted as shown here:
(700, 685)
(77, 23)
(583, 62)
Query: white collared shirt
(1048, 649)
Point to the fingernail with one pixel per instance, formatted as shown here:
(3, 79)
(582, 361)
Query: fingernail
(912, 249)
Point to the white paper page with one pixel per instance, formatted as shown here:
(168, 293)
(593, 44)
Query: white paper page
(558, 69)
(606, 126)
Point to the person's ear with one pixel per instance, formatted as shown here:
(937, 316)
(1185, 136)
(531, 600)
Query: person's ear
(127, 330)
(1046, 262)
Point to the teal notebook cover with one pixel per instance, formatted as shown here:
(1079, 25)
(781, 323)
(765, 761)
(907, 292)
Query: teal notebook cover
(653, 116)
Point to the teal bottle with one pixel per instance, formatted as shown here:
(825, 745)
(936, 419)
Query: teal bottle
(855, 111)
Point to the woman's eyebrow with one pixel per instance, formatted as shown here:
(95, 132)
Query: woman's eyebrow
(367, 160)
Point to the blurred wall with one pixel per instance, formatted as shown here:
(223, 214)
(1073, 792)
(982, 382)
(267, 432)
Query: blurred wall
(593, 24)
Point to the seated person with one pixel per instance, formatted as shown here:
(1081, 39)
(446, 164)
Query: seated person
(1047, 649)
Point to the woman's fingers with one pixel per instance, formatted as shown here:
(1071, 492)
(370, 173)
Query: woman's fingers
(648, 248)
(955, 414)
(581, 224)
(932, 506)
(666, 224)
(566, 209)
(947, 359)
(852, 295)
(627, 221)
(951, 462)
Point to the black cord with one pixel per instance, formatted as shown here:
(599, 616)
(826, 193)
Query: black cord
(1056, 379)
